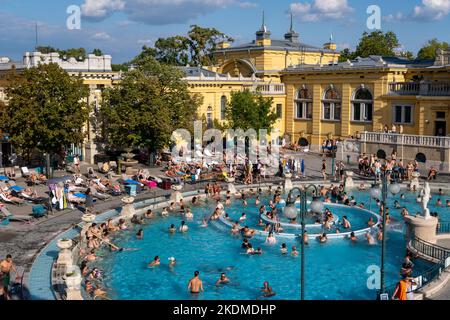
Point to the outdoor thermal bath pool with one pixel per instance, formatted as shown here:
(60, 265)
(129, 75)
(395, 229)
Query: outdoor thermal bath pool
(334, 270)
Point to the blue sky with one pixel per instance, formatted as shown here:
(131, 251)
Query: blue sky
(122, 27)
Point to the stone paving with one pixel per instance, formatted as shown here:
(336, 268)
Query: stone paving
(24, 241)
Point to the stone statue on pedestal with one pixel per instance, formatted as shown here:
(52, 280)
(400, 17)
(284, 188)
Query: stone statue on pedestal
(426, 191)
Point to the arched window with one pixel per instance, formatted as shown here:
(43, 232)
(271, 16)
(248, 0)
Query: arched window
(362, 105)
(223, 107)
(331, 104)
(303, 104)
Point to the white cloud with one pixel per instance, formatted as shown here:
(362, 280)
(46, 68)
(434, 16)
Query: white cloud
(157, 12)
(102, 36)
(320, 10)
(99, 9)
(430, 10)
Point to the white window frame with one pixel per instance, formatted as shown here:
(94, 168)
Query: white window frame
(333, 104)
(304, 105)
(363, 111)
(402, 105)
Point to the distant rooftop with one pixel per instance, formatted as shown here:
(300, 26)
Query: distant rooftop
(278, 45)
(366, 63)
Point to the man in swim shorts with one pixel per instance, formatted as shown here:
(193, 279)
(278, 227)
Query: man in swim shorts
(195, 284)
(5, 269)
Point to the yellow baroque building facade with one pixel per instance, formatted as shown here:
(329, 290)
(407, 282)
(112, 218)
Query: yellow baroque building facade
(318, 98)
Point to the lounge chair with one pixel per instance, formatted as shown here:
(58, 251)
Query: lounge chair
(99, 195)
(37, 200)
(15, 217)
(3, 186)
(25, 172)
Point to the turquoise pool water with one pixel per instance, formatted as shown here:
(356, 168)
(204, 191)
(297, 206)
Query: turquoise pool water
(335, 270)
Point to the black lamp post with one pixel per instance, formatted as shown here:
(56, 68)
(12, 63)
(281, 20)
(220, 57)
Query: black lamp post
(292, 212)
(376, 192)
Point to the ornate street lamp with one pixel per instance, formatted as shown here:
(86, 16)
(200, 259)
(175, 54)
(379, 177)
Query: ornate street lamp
(377, 193)
(291, 212)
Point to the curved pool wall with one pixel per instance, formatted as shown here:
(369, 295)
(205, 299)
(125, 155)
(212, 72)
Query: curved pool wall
(40, 284)
(289, 235)
(40, 275)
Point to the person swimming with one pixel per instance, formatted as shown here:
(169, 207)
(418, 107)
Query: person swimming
(172, 228)
(223, 279)
(243, 217)
(294, 251)
(352, 237)
(369, 238)
(267, 290)
(284, 249)
(183, 227)
(271, 238)
(164, 213)
(140, 234)
(156, 262)
(189, 215)
(323, 238)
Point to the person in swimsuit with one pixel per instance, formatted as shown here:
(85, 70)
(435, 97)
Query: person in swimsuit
(267, 290)
(156, 262)
(223, 279)
(5, 270)
(195, 285)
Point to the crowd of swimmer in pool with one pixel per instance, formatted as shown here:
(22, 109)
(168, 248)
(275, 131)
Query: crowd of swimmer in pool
(97, 235)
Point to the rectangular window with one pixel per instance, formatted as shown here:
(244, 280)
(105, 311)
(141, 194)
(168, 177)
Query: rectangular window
(362, 112)
(337, 111)
(279, 111)
(331, 111)
(303, 110)
(440, 115)
(403, 114)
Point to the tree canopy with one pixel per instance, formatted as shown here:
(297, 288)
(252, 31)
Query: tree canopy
(428, 51)
(77, 53)
(248, 110)
(195, 49)
(97, 52)
(374, 43)
(149, 104)
(45, 110)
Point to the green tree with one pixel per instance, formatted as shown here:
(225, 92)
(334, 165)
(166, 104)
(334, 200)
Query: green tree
(407, 55)
(172, 50)
(247, 110)
(45, 110)
(46, 49)
(195, 49)
(146, 53)
(346, 54)
(119, 67)
(377, 43)
(428, 51)
(202, 44)
(149, 104)
(97, 52)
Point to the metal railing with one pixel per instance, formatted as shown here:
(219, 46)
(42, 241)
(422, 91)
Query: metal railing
(443, 227)
(433, 89)
(429, 249)
(267, 89)
(433, 273)
(406, 139)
